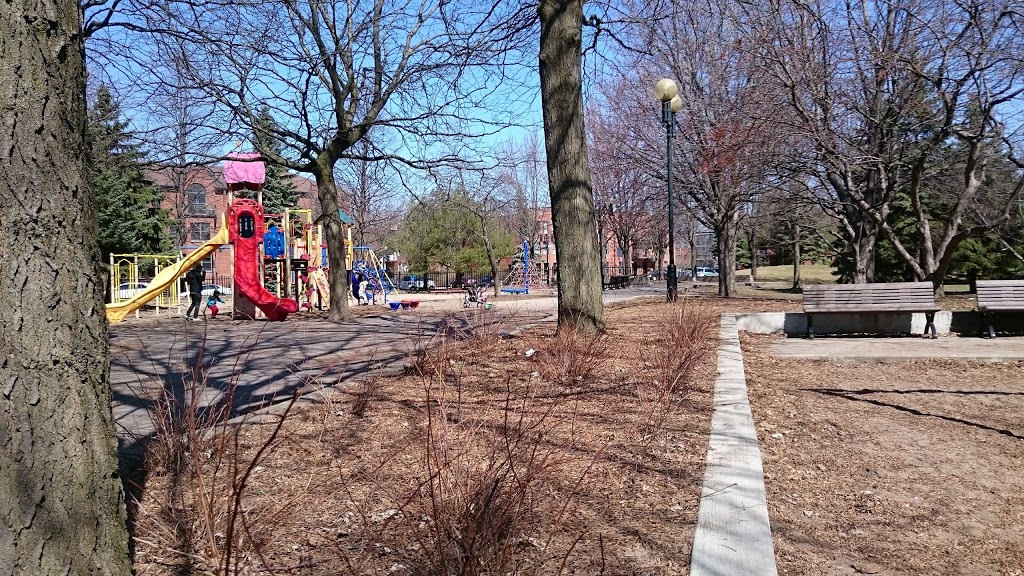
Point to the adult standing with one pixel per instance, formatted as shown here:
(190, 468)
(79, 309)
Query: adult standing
(194, 280)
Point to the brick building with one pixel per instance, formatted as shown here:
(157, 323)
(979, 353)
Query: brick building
(195, 197)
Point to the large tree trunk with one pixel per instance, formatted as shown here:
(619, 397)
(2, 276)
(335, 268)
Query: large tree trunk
(334, 230)
(864, 253)
(61, 501)
(572, 202)
(727, 235)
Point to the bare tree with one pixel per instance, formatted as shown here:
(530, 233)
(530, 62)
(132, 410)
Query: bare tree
(330, 72)
(969, 55)
(565, 141)
(369, 191)
(61, 501)
(484, 199)
(881, 90)
(729, 119)
(524, 176)
(621, 183)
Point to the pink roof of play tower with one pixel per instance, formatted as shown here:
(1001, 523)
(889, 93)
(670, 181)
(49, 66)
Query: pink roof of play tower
(244, 169)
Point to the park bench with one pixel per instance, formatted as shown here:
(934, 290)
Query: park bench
(616, 282)
(878, 298)
(998, 296)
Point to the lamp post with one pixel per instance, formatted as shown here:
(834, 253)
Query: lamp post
(666, 91)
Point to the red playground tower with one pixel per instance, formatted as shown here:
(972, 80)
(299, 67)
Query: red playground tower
(245, 227)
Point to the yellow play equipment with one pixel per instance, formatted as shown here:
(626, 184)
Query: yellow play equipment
(168, 276)
(125, 279)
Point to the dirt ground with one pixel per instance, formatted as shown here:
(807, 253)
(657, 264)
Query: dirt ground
(531, 455)
(576, 457)
(891, 468)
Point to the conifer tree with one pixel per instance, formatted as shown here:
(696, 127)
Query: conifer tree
(130, 217)
(278, 189)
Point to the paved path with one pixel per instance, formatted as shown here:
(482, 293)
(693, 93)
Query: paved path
(1002, 349)
(733, 537)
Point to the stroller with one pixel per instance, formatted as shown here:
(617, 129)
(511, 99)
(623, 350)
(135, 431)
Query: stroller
(474, 295)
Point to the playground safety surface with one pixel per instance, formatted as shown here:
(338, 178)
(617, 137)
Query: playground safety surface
(264, 362)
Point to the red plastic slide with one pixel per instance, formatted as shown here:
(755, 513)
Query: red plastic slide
(247, 282)
(245, 223)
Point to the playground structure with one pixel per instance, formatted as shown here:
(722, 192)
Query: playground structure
(294, 258)
(167, 276)
(279, 264)
(372, 268)
(245, 218)
(126, 279)
(519, 278)
(243, 229)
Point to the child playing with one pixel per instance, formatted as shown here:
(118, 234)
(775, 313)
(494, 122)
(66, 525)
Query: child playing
(211, 303)
(363, 284)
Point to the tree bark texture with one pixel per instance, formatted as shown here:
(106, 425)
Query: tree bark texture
(572, 203)
(334, 232)
(61, 501)
(727, 235)
(796, 256)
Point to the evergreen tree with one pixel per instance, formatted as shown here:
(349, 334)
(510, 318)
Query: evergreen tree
(279, 190)
(130, 217)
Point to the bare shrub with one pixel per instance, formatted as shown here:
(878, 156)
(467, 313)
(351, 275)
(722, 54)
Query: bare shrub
(673, 348)
(204, 461)
(571, 357)
(484, 473)
(483, 485)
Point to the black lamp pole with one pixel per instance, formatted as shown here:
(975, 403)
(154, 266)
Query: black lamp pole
(668, 118)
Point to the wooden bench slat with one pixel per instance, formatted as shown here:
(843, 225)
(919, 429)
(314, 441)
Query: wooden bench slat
(998, 296)
(894, 297)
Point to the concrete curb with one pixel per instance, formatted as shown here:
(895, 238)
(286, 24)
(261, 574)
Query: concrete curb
(733, 536)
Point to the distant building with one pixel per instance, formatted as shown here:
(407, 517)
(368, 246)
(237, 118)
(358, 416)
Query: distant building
(641, 258)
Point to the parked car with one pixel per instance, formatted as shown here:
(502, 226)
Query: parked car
(416, 283)
(704, 272)
(129, 290)
(485, 281)
(208, 289)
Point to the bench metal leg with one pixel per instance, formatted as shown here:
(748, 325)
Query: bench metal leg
(810, 326)
(986, 325)
(930, 323)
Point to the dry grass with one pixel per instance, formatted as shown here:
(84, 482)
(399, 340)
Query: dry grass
(584, 456)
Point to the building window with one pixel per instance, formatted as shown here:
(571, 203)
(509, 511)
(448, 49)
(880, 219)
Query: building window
(195, 198)
(199, 231)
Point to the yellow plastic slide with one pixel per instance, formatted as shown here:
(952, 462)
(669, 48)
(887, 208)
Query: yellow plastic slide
(118, 312)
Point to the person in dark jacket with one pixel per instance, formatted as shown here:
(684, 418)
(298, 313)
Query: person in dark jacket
(194, 280)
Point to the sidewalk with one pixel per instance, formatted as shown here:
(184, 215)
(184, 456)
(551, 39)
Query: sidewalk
(851, 349)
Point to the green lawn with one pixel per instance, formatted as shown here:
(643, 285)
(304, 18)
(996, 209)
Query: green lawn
(813, 273)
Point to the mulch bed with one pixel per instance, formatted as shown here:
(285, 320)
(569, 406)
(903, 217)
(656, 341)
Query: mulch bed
(611, 464)
(891, 468)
